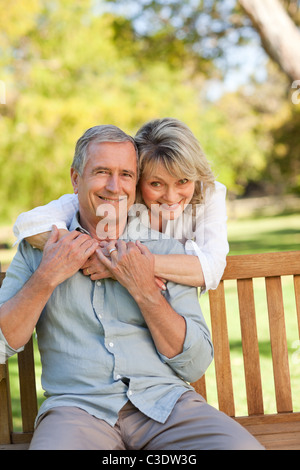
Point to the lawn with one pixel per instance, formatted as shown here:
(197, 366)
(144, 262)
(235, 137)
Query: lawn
(245, 236)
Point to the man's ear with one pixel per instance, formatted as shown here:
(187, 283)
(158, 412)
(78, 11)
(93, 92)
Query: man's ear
(74, 179)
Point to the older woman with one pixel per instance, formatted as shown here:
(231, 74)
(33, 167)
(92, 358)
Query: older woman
(180, 197)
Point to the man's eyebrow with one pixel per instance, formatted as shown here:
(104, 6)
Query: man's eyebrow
(124, 170)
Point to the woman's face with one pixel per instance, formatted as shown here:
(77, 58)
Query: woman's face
(165, 193)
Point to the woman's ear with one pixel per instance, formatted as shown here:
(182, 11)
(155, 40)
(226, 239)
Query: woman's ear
(74, 179)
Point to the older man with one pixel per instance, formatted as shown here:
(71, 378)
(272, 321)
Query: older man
(117, 354)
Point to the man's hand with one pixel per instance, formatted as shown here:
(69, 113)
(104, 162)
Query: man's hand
(95, 269)
(132, 264)
(63, 258)
(39, 241)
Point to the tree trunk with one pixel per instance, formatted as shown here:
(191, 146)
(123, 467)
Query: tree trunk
(280, 36)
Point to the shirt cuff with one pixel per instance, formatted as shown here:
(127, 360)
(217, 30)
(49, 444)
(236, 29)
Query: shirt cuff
(5, 350)
(191, 248)
(35, 231)
(195, 346)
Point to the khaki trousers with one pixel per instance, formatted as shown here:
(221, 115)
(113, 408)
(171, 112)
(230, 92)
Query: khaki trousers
(192, 425)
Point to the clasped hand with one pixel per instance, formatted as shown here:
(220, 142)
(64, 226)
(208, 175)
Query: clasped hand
(98, 267)
(65, 255)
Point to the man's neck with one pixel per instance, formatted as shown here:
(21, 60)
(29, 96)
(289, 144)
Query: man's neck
(103, 231)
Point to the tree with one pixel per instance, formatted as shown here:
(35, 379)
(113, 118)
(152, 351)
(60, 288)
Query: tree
(67, 69)
(279, 34)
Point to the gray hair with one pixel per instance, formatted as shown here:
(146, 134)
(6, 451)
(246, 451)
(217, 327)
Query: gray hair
(170, 142)
(98, 134)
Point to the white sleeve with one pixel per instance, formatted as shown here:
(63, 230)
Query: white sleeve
(211, 244)
(59, 212)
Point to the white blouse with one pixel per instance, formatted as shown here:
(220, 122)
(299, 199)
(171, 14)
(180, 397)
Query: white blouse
(207, 241)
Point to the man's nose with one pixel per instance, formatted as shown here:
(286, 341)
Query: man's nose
(113, 184)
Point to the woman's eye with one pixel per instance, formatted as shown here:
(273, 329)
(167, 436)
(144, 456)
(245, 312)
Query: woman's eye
(155, 184)
(183, 181)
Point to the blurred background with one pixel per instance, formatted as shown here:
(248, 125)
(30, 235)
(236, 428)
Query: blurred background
(230, 69)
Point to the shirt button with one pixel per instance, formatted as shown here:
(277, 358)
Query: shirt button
(111, 344)
(98, 283)
(118, 377)
(130, 393)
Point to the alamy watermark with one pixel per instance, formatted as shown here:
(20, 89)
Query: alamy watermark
(296, 94)
(2, 92)
(186, 226)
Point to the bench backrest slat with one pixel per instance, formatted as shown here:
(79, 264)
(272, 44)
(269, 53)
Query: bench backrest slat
(28, 395)
(279, 345)
(6, 425)
(5, 408)
(221, 349)
(250, 346)
(262, 265)
(27, 387)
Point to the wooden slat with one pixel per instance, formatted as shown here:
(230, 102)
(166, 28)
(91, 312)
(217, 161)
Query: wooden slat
(281, 418)
(297, 297)
(27, 387)
(221, 349)
(275, 432)
(5, 408)
(200, 387)
(2, 276)
(14, 447)
(262, 264)
(21, 437)
(250, 347)
(279, 345)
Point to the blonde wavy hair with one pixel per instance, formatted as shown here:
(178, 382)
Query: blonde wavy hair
(170, 142)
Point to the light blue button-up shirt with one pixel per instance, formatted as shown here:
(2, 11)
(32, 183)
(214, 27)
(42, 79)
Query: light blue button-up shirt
(96, 350)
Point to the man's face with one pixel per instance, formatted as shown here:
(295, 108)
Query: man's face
(108, 182)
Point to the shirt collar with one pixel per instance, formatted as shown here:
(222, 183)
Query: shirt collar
(75, 224)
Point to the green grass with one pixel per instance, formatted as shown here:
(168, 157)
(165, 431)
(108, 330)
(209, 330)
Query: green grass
(279, 233)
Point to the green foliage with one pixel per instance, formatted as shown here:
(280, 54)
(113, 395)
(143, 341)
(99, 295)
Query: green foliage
(67, 67)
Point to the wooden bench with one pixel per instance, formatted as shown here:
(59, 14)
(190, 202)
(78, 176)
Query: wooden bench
(280, 430)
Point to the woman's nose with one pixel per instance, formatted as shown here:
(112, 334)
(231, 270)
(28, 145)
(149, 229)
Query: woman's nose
(171, 195)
